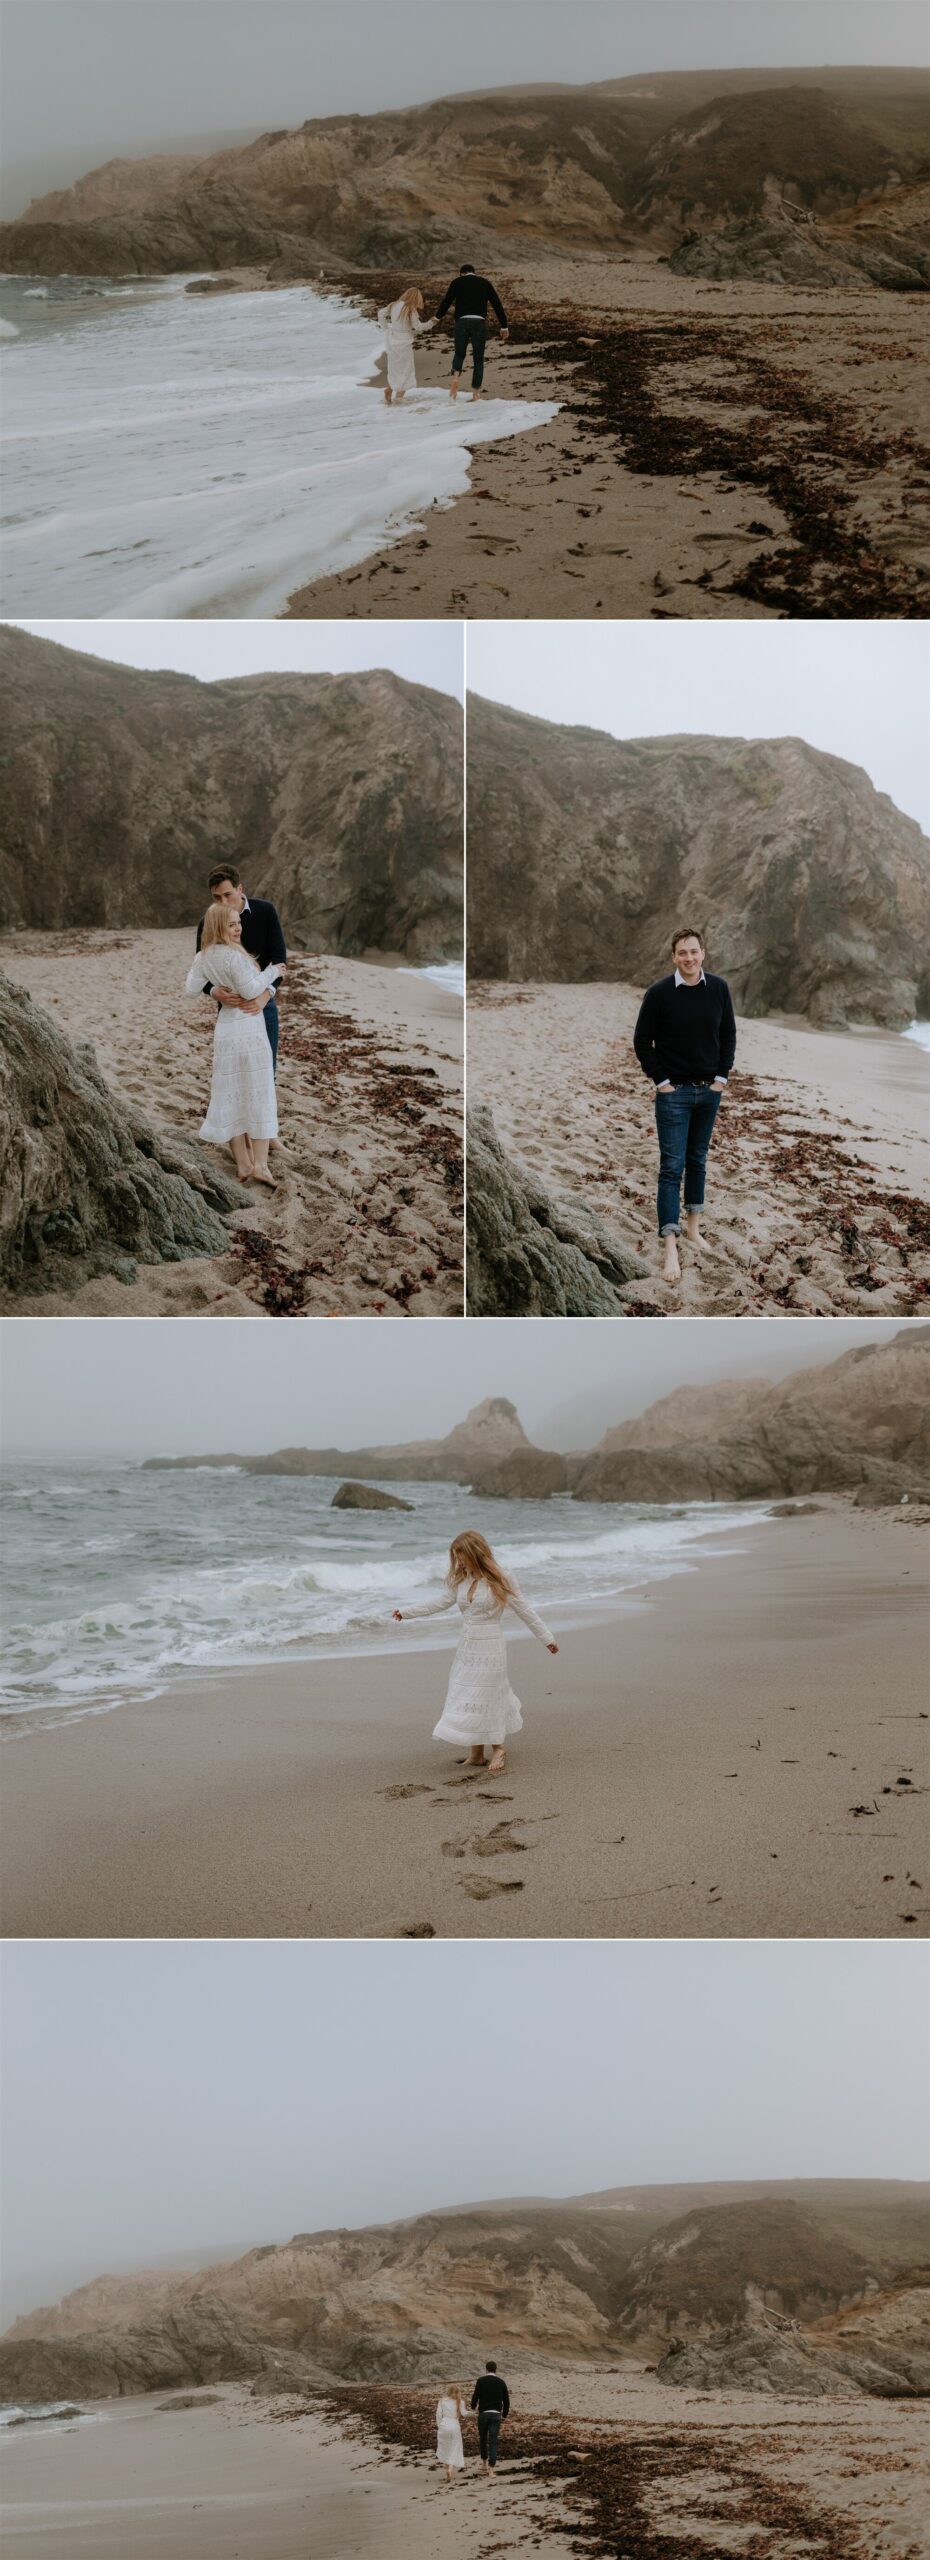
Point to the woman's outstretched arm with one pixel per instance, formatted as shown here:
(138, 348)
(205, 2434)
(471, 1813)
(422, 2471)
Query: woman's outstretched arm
(530, 1619)
(427, 1608)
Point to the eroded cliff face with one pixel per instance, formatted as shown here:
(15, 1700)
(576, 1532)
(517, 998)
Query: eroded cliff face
(811, 889)
(337, 796)
(591, 166)
(575, 2280)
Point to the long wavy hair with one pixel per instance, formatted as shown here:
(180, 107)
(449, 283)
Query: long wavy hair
(218, 923)
(472, 1560)
(411, 300)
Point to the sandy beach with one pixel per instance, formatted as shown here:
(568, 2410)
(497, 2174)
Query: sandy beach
(741, 1753)
(586, 2453)
(818, 1175)
(720, 450)
(365, 1220)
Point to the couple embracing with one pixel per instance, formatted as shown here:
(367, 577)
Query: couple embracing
(241, 957)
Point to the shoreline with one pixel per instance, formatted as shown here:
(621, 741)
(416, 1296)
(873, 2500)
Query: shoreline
(351, 2469)
(740, 1776)
(684, 489)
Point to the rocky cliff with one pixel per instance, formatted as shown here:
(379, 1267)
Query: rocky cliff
(585, 2279)
(489, 1433)
(591, 166)
(337, 796)
(86, 1185)
(811, 889)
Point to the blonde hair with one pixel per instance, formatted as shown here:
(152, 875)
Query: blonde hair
(218, 923)
(471, 1559)
(411, 299)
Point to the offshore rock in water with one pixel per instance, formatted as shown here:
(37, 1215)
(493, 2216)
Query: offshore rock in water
(367, 1497)
(84, 1181)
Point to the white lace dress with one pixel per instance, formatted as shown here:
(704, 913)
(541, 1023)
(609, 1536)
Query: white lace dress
(480, 1703)
(449, 2446)
(242, 1095)
(399, 333)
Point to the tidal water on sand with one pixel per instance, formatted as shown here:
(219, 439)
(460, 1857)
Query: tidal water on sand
(181, 454)
(119, 1581)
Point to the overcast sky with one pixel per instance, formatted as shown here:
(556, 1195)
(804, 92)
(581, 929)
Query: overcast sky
(160, 2097)
(88, 80)
(138, 1389)
(425, 652)
(856, 689)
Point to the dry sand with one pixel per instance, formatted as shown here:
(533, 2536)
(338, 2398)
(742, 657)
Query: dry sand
(741, 1753)
(366, 1219)
(819, 1174)
(721, 450)
(592, 2462)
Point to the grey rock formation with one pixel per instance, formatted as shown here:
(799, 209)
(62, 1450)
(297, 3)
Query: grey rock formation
(87, 1186)
(528, 1255)
(337, 796)
(489, 1432)
(811, 889)
(765, 2358)
(367, 1497)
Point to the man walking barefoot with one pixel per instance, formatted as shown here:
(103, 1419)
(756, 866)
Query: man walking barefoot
(470, 295)
(685, 1040)
(491, 2398)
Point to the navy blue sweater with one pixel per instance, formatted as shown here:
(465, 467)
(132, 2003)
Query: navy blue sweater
(686, 1033)
(491, 2392)
(469, 297)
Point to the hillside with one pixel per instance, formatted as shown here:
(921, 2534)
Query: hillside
(811, 888)
(336, 795)
(591, 166)
(585, 2279)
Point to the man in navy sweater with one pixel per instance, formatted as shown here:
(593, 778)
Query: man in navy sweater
(468, 296)
(491, 2398)
(685, 1040)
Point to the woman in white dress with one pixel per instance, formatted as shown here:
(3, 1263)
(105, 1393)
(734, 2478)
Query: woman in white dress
(450, 2410)
(480, 1704)
(243, 1112)
(400, 325)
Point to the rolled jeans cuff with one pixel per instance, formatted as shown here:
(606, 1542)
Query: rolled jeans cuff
(670, 1230)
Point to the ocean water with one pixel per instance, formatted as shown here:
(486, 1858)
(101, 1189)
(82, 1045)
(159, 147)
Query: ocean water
(444, 973)
(118, 1583)
(181, 454)
(919, 1032)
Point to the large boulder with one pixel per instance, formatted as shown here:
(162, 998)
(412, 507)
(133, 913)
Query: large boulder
(528, 1255)
(367, 1497)
(339, 796)
(86, 1185)
(811, 889)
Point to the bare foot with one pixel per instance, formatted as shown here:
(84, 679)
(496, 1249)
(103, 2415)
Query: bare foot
(671, 1267)
(388, 393)
(267, 1178)
(476, 1757)
(693, 1231)
(454, 390)
(498, 1760)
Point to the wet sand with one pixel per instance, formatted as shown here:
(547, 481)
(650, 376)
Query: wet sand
(818, 1179)
(721, 451)
(741, 1753)
(366, 1219)
(587, 2452)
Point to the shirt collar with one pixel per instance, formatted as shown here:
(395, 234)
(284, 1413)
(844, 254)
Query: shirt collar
(245, 910)
(680, 982)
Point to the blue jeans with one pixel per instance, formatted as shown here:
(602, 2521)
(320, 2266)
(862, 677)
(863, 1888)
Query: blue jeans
(685, 1124)
(473, 333)
(272, 1026)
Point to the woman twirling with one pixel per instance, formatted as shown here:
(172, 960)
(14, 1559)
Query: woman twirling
(400, 325)
(450, 2410)
(243, 1112)
(480, 1704)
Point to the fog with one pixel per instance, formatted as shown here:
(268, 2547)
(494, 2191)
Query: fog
(855, 689)
(423, 652)
(143, 1389)
(161, 2098)
(89, 80)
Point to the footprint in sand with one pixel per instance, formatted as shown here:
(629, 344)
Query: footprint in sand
(499, 1843)
(481, 1888)
(397, 1795)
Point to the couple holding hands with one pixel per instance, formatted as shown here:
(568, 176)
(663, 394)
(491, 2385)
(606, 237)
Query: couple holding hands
(469, 297)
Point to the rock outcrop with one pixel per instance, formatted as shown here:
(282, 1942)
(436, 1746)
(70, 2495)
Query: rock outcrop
(86, 1185)
(811, 889)
(587, 2279)
(367, 1497)
(489, 1433)
(527, 1254)
(339, 796)
(593, 165)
